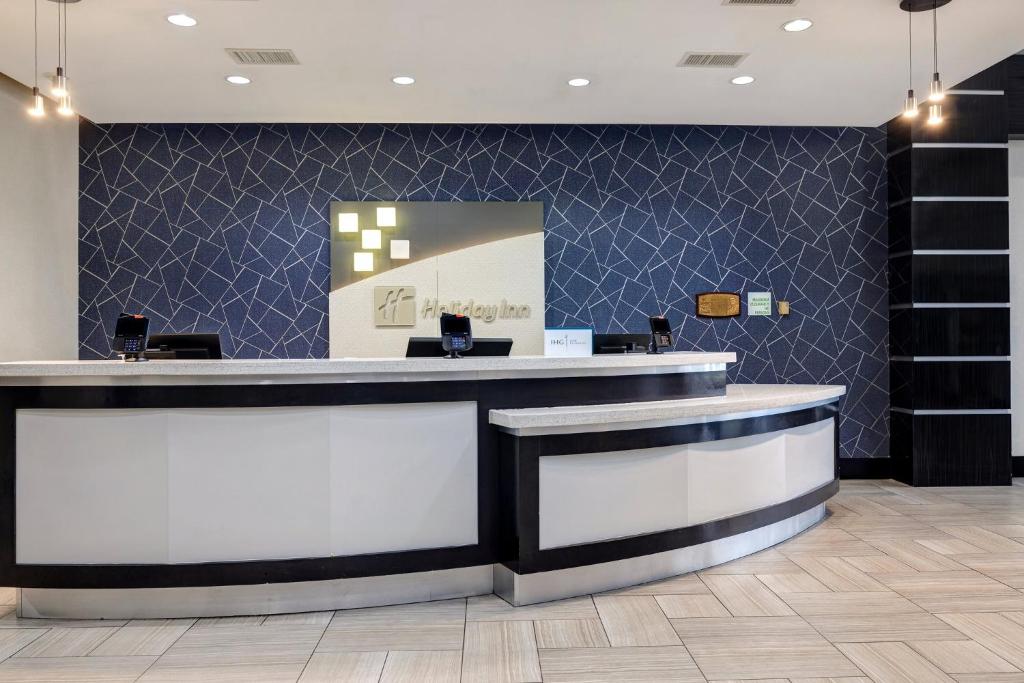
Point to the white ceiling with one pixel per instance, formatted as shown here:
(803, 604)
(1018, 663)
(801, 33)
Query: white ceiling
(503, 60)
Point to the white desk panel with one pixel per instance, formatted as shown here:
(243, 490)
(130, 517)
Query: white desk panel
(248, 484)
(91, 486)
(806, 470)
(599, 496)
(403, 477)
(732, 476)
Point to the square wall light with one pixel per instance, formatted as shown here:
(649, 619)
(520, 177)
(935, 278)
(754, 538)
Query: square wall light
(371, 239)
(362, 261)
(348, 222)
(386, 217)
(399, 249)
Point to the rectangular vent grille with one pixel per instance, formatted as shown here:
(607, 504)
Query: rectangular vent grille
(759, 3)
(251, 57)
(714, 60)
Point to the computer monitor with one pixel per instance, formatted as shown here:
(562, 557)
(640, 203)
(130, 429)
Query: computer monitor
(430, 347)
(621, 343)
(184, 346)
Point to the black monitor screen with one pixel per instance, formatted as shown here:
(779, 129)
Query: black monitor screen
(131, 326)
(659, 325)
(454, 324)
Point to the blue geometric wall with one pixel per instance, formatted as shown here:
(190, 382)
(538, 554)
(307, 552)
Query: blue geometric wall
(224, 228)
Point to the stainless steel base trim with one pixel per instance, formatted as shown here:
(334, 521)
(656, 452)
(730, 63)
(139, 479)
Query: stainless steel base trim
(273, 598)
(517, 589)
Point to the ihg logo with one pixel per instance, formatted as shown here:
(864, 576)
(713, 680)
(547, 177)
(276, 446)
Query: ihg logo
(394, 306)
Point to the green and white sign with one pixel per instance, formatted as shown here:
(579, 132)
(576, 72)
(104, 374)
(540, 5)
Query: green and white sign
(759, 303)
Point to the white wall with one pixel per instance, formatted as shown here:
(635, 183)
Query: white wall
(1017, 294)
(38, 231)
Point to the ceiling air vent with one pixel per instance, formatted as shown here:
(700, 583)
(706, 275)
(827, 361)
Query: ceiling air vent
(715, 60)
(253, 57)
(759, 3)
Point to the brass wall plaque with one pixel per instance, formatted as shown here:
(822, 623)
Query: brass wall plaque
(718, 305)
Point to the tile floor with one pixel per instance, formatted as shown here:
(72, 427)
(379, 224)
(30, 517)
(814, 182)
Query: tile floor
(898, 584)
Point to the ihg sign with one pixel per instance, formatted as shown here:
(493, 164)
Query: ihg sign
(396, 307)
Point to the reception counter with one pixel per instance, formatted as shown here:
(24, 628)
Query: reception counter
(202, 488)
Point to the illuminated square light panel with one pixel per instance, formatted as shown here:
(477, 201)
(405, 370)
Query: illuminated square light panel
(362, 261)
(399, 249)
(371, 239)
(348, 222)
(386, 217)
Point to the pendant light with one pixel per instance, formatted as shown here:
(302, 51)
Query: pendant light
(59, 83)
(37, 109)
(910, 106)
(64, 107)
(935, 92)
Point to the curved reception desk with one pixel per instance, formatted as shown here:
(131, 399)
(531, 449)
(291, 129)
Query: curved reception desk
(215, 488)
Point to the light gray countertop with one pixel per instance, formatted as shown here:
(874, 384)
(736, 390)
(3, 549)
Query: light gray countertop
(740, 400)
(104, 372)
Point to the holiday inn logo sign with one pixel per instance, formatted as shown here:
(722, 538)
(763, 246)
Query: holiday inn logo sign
(396, 307)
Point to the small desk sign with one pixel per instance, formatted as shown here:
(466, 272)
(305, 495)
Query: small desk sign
(759, 303)
(568, 341)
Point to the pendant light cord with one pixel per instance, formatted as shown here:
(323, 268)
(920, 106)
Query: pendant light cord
(910, 51)
(935, 36)
(35, 44)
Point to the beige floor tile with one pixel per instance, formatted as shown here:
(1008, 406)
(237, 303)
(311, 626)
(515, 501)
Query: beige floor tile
(500, 652)
(238, 653)
(66, 642)
(689, 606)
(1006, 568)
(983, 538)
(962, 657)
(493, 608)
(570, 633)
(837, 573)
(619, 664)
(843, 679)
(686, 584)
(828, 542)
(300, 619)
(994, 631)
(931, 584)
(878, 564)
(745, 596)
(949, 546)
(769, 561)
(989, 678)
(210, 622)
(421, 626)
(868, 628)
(8, 596)
(14, 639)
(761, 647)
(1015, 531)
(796, 582)
(634, 620)
(856, 603)
(143, 637)
(51, 669)
(971, 603)
(893, 663)
(344, 667)
(916, 556)
(865, 505)
(419, 667)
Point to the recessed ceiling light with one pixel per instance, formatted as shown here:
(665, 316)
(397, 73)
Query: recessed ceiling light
(797, 25)
(403, 80)
(579, 82)
(182, 20)
(743, 80)
(237, 80)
